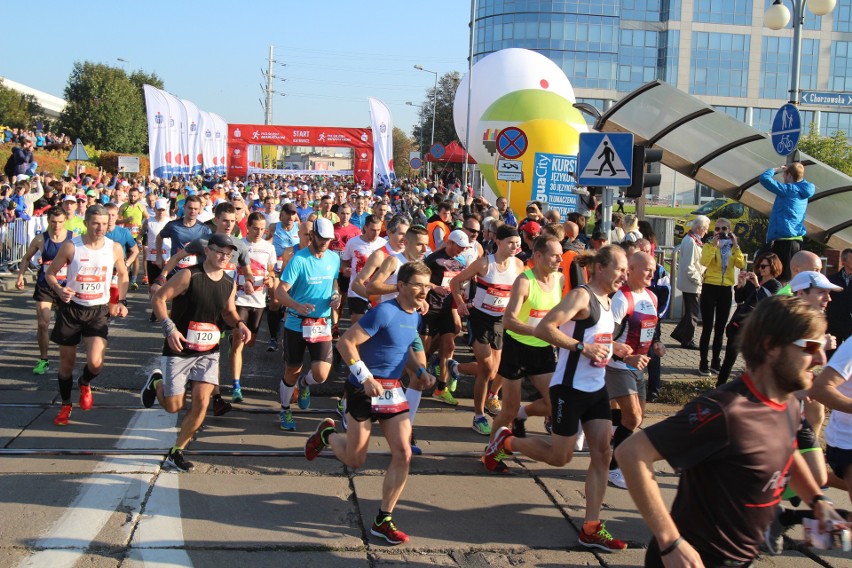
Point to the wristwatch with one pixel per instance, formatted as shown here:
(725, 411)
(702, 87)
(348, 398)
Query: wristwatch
(579, 347)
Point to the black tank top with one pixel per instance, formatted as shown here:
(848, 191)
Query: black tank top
(197, 311)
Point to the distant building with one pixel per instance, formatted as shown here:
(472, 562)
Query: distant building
(52, 105)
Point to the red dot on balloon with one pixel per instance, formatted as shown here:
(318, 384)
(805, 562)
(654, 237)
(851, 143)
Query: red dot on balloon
(544, 84)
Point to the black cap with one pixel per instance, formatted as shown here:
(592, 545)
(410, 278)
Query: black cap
(221, 241)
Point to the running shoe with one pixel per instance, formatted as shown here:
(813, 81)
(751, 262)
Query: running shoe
(221, 407)
(85, 397)
(601, 539)
(616, 478)
(41, 367)
(149, 392)
(304, 397)
(285, 420)
(434, 366)
(773, 537)
(315, 443)
(134, 286)
(64, 415)
(446, 397)
(481, 425)
(175, 460)
(519, 428)
(388, 531)
(495, 452)
(415, 449)
(144, 280)
(453, 367)
(341, 410)
(272, 346)
(493, 406)
(716, 367)
(704, 370)
(237, 395)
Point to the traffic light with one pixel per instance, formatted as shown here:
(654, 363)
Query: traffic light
(644, 162)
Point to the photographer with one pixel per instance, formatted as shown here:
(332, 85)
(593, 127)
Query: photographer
(720, 257)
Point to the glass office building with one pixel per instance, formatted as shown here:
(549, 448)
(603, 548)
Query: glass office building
(718, 50)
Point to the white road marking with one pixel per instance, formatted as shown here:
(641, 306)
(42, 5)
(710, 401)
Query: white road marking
(111, 488)
(159, 536)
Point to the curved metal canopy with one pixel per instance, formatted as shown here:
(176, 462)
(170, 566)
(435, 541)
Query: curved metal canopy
(727, 155)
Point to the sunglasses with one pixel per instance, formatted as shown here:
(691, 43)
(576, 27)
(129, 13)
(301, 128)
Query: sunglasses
(474, 231)
(810, 346)
(763, 266)
(721, 229)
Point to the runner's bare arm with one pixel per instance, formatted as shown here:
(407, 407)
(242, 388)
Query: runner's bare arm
(359, 285)
(520, 291)
(347, 346)
(35, 246)
(282, 294)
(62, 258)
(232, 317)
(378, 284)
(134, 254)
(177, 285)
(159, 243)
(824, 390)
(574, 304)
(478, 267)
(120, 309)
(414, 363)
(636, 456)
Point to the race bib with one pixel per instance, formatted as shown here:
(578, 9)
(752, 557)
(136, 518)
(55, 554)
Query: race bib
(187, 261)
(316, 330)
(535, 317)
(90, 286)
(392, 400)
(496, 299)
(173, 194)
(152, 254)
(603, 339)
(202, 336)
(134, 230)
(61, 276)
(448, 275)
(646, 334)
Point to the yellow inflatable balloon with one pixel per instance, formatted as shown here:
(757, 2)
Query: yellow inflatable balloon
(546, 138)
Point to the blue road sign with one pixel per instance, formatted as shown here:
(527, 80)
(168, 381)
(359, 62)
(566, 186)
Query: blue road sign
(554, 183)
(786, 129)
(512, 142)
(605, 158)
(416, 163)
(825, 99)
(437, 150)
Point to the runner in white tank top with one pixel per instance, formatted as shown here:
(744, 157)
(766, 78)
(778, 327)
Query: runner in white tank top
(494, 276)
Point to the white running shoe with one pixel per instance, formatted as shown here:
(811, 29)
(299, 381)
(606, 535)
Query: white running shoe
(617, 478)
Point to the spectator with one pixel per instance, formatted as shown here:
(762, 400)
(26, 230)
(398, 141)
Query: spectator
(616, 233)
(751, 288)
(839, 311)
(721, 257)
(631, 228)
(690, 274)
(787, 218)
(648, 232)
(22, 158)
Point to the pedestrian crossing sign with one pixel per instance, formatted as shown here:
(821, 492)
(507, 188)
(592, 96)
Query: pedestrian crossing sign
(605, 158)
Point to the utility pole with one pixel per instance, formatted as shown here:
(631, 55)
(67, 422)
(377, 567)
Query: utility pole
(269, 89)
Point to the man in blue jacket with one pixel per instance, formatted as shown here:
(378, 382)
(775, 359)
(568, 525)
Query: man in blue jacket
(787, 219)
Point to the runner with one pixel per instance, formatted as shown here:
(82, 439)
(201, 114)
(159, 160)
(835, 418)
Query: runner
(494, 275)
(535, 292)
(735, 447)
(357, 252)
(308, 290)
(181, 231)
(438, 227)
(634, 309)
(73, 221)
(151, 227)
(250, 306)
(46, 245)
(201, 297)
(128, 244)
(344, 231)
(581, 327)
(397, 227)
(131, 215)
(84, 306)
(378, 347)
(284, 235)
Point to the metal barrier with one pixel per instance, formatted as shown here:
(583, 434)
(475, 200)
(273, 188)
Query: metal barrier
(14, 239)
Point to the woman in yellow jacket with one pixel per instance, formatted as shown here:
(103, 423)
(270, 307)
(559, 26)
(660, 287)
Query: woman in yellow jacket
(720, 256)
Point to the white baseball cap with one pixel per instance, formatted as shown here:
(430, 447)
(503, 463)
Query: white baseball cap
(324, 228)
(460, 238)
(162, 203)
(811, 279)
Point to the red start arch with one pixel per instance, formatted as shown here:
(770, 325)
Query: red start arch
(242, 136)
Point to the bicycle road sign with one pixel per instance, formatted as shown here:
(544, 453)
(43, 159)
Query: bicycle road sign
(786, 129)
(512, 142)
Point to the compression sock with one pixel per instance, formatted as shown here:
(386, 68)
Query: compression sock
(522, 413)
(440, 386)
(380, 518)
(621, 434)
(413, 398)
(309, 379)
(65, 386)
(87, 377)
(285, 394)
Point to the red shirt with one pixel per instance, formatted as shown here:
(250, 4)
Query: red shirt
(342, 236)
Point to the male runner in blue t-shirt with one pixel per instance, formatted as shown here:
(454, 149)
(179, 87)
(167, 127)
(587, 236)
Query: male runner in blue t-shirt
(377, 349)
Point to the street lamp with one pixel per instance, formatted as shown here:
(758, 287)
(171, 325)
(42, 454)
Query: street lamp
(778, 16)
(409, 103)
(126, 63)
(434, 105)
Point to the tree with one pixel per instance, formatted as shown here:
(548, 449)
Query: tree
(402, 147)
(445, 130)
(18, 110)
(106, 107)
(833, 150)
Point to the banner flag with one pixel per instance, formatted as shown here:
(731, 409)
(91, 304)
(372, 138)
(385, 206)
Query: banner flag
(380, 120)
(220, 143)
(193, 150)
(157, 111)
(206, 128)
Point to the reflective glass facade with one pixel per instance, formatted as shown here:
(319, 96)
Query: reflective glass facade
(737, 12)
(775, 66)
(719, 64)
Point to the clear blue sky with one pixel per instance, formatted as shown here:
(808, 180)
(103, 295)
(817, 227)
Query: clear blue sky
(337, 52)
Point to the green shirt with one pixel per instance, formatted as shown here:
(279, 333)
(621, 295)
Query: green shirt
(76, 225)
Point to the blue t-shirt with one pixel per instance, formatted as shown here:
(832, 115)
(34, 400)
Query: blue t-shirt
(181, 235)
(123, 237)
(304, 212)
(311, 281)
(392, 330)
(283, 239)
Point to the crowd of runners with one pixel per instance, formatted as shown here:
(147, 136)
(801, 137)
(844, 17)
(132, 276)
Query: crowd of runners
(407, 271)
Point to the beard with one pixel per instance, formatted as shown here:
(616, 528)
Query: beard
(787, 378)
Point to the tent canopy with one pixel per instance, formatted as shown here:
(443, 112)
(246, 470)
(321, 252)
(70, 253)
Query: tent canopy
(453, 154)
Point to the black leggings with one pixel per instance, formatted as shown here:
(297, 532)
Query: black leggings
(715, 309)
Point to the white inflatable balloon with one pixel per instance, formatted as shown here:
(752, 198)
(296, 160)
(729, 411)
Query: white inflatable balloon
(499, 74)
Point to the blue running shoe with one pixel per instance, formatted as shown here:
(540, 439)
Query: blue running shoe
(304, 396)
(286, 422)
